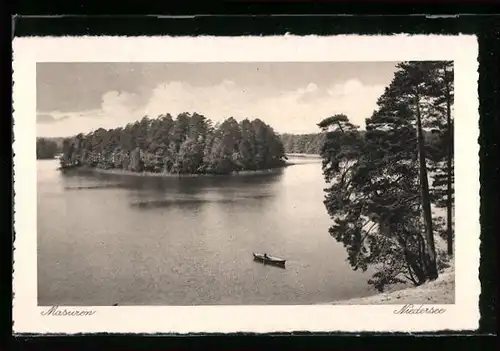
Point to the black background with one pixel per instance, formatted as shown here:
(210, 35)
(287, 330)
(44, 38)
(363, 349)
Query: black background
(233, 18)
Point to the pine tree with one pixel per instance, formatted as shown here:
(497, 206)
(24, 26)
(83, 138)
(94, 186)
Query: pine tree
(379, 197)
(441, 89)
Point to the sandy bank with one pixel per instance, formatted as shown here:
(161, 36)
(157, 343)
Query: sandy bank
(440, 291)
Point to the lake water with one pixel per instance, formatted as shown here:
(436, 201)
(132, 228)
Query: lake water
(105, 239)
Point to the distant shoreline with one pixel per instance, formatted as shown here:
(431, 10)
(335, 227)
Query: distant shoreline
(116, 171)
(46, 158)
(304, 155)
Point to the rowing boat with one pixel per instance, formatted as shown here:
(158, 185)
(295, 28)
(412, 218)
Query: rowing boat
(266, 259)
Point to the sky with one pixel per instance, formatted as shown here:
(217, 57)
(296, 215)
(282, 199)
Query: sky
(293, 97)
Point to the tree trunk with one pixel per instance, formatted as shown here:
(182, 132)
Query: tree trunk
(426, 201)
(449, 200)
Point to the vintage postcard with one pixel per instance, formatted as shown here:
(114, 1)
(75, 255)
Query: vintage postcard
(246, 184)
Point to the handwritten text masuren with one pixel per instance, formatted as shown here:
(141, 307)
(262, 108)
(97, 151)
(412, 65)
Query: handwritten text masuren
(411, 309)
(56, 311)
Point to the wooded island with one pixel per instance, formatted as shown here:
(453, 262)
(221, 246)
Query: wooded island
(189, 144)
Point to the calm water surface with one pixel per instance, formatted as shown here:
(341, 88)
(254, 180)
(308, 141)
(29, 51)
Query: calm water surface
(163, 241)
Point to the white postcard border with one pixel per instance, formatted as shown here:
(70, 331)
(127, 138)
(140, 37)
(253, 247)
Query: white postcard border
(463, 315)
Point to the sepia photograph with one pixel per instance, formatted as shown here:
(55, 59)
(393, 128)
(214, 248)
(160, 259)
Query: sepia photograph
(245, 183)
(320, 183)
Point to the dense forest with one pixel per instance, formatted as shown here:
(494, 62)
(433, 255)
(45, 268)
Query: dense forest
(383, 183)
(188, 144)
(303, 143)
(313, 143)
(47, 148)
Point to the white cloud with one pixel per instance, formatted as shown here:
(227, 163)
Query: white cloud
(311, 87)
(294, 111)
(115, 104)
(297, 110)
(117, 109)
